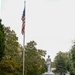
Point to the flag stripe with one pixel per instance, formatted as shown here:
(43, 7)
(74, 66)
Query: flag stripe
(23, 22)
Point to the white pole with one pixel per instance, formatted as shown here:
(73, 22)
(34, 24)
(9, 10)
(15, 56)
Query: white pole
(24, 45)
(23, 52)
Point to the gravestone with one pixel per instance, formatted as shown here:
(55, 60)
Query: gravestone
(48, 64)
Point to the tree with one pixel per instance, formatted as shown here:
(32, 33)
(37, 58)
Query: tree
(34, 61)
(11, 44)
(11, 63)
(2, 40)
(72, 58)
(60, 63)
(10, 67)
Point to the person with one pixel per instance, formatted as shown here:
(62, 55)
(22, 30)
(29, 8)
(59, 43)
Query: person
(48, 63)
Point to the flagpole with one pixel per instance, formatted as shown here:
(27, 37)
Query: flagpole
(23, 52)
(24, 46)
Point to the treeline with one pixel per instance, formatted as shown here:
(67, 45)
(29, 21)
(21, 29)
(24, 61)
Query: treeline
(65, 61)
(11, 55)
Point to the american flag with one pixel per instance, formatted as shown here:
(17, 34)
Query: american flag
(23, 22)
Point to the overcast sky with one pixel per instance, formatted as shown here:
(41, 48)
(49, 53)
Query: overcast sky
(50, 23)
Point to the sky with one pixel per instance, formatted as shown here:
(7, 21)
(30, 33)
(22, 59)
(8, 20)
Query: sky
(50, 23)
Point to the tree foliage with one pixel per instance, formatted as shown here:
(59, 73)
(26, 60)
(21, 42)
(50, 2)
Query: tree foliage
(11, 43)
(2, 40)
(11, 63)
(11, 55)
(60, 63)
(11, 60)
(9, 66)
(72, 58)
(34, 61)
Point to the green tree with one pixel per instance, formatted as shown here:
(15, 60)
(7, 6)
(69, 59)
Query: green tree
(34, 61)
(11, 63)
(60, 63)
(2, 40)
(12, 47)
(72, 58)
(10, 67)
